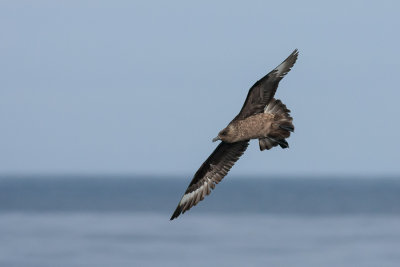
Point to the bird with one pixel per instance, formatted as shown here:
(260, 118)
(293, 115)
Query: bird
(262, 117)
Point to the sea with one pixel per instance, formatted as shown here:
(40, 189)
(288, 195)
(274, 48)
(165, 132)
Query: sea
(72, 220)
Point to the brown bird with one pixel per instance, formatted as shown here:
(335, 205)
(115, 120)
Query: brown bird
(262, 117)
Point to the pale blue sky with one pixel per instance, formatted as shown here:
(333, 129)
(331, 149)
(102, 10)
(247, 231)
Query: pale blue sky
(142, 87)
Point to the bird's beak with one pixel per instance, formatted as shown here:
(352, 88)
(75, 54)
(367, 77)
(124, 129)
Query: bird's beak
(216, 139)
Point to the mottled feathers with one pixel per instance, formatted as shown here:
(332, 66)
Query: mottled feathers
(218, 164)
(281, 127)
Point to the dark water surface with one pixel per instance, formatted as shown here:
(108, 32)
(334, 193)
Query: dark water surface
(233, 195)
(89, 221)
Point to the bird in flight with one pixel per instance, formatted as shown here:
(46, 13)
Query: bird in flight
(262, 117)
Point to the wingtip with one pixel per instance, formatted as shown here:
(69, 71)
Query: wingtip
(286, 65)
(294, 54)
(293, 57)
(176, 213)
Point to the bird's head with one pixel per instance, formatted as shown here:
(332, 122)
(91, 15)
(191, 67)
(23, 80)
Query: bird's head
(227, 135)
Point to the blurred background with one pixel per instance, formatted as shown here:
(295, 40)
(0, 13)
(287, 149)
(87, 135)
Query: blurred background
(108, 108)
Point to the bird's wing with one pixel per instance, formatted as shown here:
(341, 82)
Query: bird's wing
(264, 90)
(210, 173)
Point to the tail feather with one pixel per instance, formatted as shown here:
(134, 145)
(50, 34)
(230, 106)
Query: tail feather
(266, 143)
(281, 142)
(270, 142)
(281, 127)
(288, 128)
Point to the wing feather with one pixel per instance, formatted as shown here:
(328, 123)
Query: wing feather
(218, 164)
(211, 172)
(264, 90)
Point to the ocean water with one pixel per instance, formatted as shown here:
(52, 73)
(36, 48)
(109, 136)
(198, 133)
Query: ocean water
(89, 221)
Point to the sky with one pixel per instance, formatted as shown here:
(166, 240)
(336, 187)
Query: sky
(141, 87)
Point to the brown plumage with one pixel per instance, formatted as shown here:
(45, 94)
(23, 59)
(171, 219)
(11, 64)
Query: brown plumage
(275, 122)
(261, 117)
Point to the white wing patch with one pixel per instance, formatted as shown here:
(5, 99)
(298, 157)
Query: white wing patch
(286, 65)
(281, 69)
(191, 195)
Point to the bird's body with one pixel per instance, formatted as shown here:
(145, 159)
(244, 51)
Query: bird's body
(258, 126)
(253, 127)
(261, 117)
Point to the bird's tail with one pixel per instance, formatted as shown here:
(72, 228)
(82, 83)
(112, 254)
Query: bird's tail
(281, 126)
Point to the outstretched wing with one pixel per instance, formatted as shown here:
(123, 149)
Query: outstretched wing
(264, 90)
(210, 173)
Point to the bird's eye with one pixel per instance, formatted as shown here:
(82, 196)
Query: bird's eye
(223, 133)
